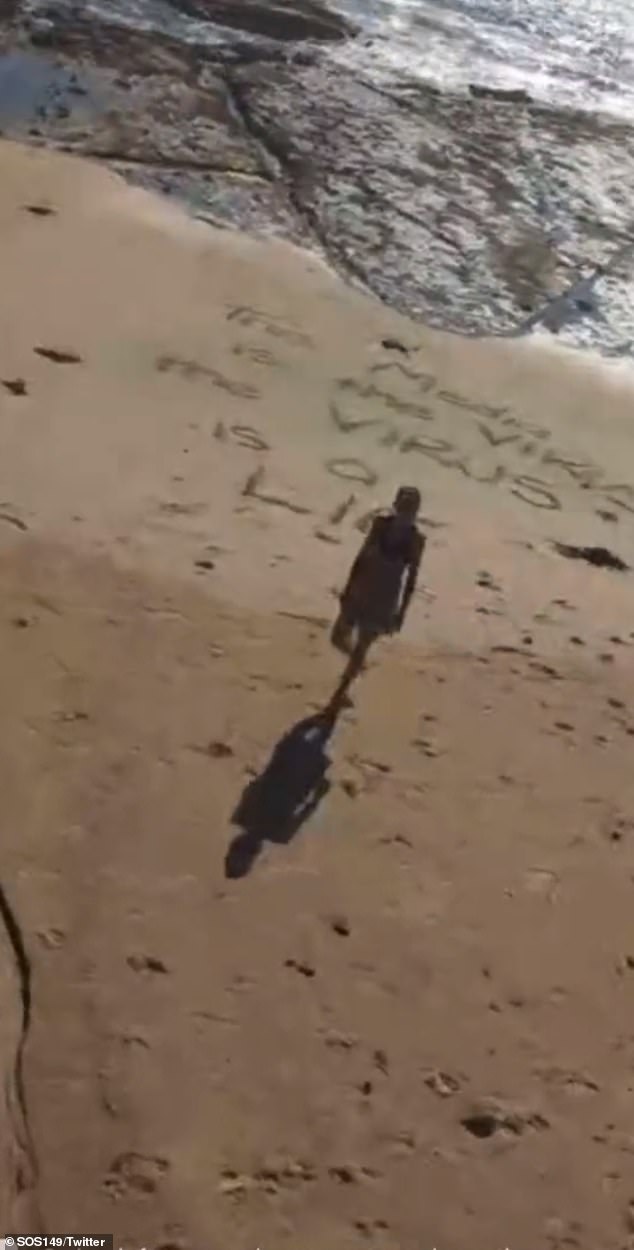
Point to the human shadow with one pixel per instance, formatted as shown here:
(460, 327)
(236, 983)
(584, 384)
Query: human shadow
(274, 806)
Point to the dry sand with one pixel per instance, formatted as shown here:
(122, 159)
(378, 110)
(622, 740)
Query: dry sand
(412, 1025)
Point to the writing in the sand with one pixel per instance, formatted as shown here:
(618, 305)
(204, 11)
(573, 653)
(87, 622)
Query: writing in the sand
(496, 447)
(255, 318)
(401, 408)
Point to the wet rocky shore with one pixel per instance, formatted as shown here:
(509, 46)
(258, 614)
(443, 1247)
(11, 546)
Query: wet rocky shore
(481, 212)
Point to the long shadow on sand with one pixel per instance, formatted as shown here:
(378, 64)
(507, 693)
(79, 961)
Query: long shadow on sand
(275, 805)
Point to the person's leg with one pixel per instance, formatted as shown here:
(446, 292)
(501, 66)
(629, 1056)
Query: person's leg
(365, 638)
(342, 630)
(355, 665)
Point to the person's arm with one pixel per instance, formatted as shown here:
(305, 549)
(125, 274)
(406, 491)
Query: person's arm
(411, 578)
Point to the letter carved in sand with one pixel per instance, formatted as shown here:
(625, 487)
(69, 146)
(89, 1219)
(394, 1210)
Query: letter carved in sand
(519, 447)
(193, 370)
(248, 317)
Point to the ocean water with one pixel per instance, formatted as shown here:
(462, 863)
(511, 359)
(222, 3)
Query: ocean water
(569, 53)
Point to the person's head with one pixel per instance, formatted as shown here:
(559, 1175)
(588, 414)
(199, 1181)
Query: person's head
(407, 502)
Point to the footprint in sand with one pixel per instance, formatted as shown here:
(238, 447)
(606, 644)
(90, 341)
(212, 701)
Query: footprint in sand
(577, 1084)
(543, 882)
(258, 355)
(135, 1041)
(146, 964)
(135, 1173)
(443, 1084)
(335, 1040)
(52, 939)
(352, 1174)
(490, 1117)
(372, 1228)
(268, 1179)
(380, 1061)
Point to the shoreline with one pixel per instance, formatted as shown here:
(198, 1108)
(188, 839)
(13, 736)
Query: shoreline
(461, 211)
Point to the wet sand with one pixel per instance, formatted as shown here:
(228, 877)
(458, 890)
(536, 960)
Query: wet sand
(410, 1023)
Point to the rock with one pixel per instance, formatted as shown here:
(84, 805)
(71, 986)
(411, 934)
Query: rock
(215, 750)
(40, 210)
(15, 386)
(618, 829)
(219, 750)
(305, 969)
(41, 35)
(600, 557)
(340, 925)
(510, 95)
(285, 20)
(58, 357)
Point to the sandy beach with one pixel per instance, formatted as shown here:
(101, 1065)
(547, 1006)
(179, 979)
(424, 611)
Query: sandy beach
(410, 1025)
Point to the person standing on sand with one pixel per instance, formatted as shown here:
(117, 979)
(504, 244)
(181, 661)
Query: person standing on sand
(381, 583)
